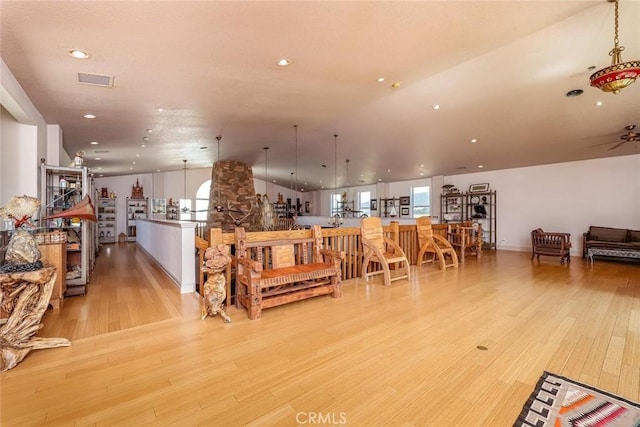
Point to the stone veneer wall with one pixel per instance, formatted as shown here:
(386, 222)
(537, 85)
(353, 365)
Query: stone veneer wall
(232, 183)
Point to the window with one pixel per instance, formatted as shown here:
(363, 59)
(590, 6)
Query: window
(421, 205)
(335, 205)
(202, 201)
(364, 203)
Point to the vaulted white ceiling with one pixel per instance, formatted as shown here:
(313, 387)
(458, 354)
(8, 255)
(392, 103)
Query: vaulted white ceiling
(498, 69)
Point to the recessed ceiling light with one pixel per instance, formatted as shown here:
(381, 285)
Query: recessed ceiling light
(97, 158)
(473, 141)
(283, 62)
(575, 92)
(89, 116)
(133, 163)
(137, 155)
(388, 170)
(379, 179)
(380, 79)
(145, 138)
(421, 166)
(94, 143)
(421, 173)
(99, 168)
(142, 146)
(480, 166)
(130, 169)
(149, 130)
(436, 107)
(101, 175)
(157, 170)
(599, 104)
(159, 109)
(78, 54)
(395, 85)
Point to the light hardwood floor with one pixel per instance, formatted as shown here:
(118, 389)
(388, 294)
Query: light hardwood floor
(379, 356)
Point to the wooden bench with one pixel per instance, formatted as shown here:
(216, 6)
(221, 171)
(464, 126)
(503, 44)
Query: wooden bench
(275, 268)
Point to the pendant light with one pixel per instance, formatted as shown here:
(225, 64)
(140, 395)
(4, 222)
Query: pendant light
(335, 220)
(295, 202)
(216, 190)
(185, 209)
(619, 74)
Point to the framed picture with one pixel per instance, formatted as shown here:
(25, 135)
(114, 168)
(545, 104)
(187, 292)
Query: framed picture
(405, 201)
(374, 204)
(478, 188)
(404, 211)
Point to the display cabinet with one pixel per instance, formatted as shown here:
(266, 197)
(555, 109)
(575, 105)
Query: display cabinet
(280, 210)
(452, 207)
(481, 208)
(63, 188)
(107, 220)
(136, 209)
(172, 210)
(346, 209)
(390, 207)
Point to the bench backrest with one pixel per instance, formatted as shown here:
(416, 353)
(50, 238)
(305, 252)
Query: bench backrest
(274, 250)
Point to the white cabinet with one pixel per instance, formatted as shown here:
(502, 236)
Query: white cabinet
(107, 220)
(136, 209)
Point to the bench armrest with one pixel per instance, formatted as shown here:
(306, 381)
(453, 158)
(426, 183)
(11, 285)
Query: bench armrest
(250, 264)
(331, 253)
(332, 257)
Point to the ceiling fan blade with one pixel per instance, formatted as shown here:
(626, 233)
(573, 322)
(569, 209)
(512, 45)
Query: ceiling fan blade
(601, 144)
(617, 145)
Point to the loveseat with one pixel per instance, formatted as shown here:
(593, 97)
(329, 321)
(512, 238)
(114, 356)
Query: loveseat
(614, 242)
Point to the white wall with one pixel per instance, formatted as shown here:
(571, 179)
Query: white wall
(23, 143)
(165, 185)
(564, 197)
(17, 143)
(122, 185)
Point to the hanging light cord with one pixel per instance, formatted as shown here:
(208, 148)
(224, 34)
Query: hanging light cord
(217, 189)
(615, 36)
(266, 177)
(335, 166)
(296, 167)
(185, 208)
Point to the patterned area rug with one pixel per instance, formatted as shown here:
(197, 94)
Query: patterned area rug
(559, 402)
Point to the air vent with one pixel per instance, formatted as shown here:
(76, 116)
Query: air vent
(95, 79)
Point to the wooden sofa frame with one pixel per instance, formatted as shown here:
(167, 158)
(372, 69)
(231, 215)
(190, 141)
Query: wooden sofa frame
(275, 268)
